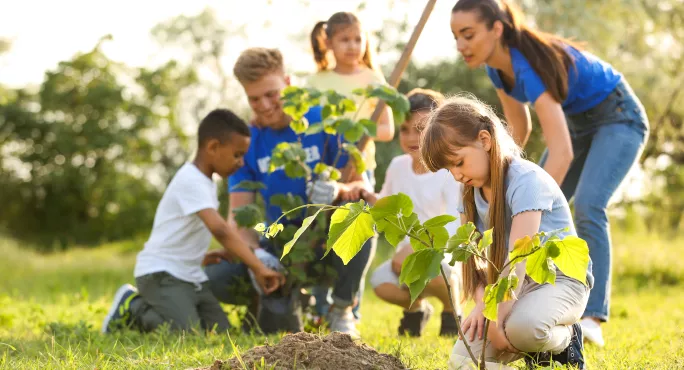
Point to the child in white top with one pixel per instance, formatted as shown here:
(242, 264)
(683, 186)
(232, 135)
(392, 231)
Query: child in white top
(433, 194)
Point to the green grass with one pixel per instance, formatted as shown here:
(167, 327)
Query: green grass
(51, 308)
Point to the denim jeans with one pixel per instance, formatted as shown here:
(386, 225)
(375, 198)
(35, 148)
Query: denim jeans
(607, 141)
(230, 282)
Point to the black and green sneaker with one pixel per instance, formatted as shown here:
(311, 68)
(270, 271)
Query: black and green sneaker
(119, 313)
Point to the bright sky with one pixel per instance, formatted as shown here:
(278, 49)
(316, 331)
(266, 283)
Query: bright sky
(46, 32)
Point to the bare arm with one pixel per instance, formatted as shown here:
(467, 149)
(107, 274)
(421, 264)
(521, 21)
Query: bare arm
(237, 200)
(517, 116)
(228, 236)
(556, 135)
(385, 128)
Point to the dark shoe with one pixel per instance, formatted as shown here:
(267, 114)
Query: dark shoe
(574, 354)
(414, 322)
(537, 360)
(119, 315)
(448, 327)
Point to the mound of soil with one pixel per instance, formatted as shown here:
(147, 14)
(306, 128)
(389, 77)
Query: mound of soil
(312, 352)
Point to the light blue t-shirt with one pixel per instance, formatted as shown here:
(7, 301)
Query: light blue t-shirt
(319, 146)
(590, 81)
(530, 188)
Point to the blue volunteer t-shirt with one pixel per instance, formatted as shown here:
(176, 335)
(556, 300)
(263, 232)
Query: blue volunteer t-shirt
(589, 82)
(258, 158)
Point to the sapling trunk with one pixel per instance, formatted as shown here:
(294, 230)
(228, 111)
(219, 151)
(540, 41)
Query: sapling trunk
(455, 311)
(484, 344)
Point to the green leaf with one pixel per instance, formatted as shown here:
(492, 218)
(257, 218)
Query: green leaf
(274, 229)
(554, 251)
(260, 227)
(573, 258)
(346, 105)
(249, 185)
(460, 251)
(486, 240)
(290, 92)
(501, 291)
(343, 125)
(295, 110)
(464, 234)
(440, 236)
(354, 134)
(512, 284)
(313, 93)
(287, 202)
(305, 225)
(335, 174)
(540, 267)
(361, 91)
(248, 215)
(296, 170)
(439, 221)
(357, 157)
(334, 97)
(383, 92)
(320, 168)
(522, 247)
(300, 125)
(330, 126)
(349, 230)
(314, 129)
(491, 306)
(393, 205)
(327, 111)
(398, 117)
(419, 268)
(423, 237)
(370, 126)
(393, 234)
(402, 104)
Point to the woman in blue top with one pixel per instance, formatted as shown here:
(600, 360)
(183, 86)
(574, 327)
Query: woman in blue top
(593, 124)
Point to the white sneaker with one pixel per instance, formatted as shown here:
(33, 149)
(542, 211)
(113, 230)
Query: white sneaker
(592, 331)
(343, 320)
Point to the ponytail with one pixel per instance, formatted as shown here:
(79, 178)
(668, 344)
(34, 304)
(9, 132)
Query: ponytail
(320, 50)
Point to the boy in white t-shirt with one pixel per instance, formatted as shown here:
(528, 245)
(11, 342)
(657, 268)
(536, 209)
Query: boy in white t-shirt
(172, 285)
(433, 194)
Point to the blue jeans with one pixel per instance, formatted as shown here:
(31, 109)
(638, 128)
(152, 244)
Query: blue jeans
(230, 282)
(607, 140)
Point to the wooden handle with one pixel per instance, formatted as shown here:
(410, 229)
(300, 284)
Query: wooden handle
(394, 80)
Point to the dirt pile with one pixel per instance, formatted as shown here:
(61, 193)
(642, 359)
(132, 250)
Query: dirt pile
(312, 352)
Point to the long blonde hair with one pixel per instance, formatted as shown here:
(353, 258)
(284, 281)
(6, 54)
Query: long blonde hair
(326, 30)
(457, 123)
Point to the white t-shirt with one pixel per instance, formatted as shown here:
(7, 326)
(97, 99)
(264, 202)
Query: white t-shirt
(179, 238)
(433, 193)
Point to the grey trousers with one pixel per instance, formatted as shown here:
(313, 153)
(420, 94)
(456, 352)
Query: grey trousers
(167, 299)
(539, 321)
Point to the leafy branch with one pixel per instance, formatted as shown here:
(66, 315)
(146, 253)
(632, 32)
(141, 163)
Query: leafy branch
(393, 216)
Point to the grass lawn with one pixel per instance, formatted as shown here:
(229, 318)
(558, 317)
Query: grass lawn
(52, 306)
